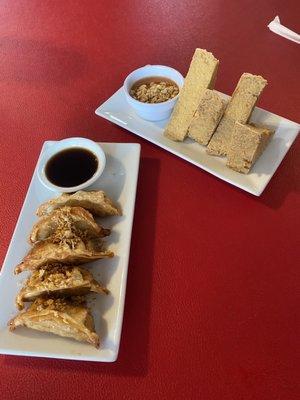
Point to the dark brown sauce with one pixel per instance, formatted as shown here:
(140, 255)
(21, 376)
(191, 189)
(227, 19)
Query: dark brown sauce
(155, 79)
(71, 167)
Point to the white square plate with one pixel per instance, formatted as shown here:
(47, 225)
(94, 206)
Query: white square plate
(119, 181)
(117, 110)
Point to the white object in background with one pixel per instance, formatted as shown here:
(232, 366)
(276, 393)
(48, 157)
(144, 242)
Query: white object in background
(116, 110)
(155, 111)
(276, 27)
(119, 180)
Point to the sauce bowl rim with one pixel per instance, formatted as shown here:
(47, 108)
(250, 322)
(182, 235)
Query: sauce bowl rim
(65, 144)
(148, 66)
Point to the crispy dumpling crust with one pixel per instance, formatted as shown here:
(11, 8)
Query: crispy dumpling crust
(94, 201)
(64, 317)
(76, 219)
(73, 251)
(58, 280)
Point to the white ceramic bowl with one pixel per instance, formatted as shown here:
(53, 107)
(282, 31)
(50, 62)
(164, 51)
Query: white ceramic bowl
(156, 111)
(67, 144)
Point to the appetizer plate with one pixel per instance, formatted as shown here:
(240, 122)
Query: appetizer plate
(119, 181)
(117, 110)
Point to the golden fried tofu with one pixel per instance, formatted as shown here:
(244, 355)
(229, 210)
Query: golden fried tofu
(239, 109)
(247, 144)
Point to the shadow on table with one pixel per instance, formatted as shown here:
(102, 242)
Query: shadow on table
(134, 347)
(285, 180)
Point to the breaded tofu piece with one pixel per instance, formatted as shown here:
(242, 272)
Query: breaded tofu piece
(207, 117)
(201, 75)
(247, 144)
(238, 109)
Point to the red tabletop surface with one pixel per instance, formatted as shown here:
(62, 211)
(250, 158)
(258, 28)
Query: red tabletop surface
(211, 310)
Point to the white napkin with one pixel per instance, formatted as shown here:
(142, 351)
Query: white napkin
(276, 27)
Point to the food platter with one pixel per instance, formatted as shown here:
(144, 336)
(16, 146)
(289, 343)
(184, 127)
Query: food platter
(117, 110)
(119, 181)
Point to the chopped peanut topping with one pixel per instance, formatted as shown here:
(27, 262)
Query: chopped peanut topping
(154, 92)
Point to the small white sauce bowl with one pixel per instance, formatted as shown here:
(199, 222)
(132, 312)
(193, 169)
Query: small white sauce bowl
(155, 111)
(64, 144)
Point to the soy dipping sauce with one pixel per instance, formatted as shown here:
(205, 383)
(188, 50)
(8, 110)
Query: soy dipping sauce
(71, 167)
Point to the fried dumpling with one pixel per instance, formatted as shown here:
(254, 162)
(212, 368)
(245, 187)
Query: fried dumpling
(66, 219)
(64, 317)
(58, 280)
(70, 250)
(94, 201)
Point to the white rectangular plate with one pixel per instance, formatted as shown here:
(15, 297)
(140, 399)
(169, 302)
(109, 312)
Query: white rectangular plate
(117, 110)
(119, 181)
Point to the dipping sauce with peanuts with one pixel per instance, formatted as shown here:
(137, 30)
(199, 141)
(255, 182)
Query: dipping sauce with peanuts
(154, 90)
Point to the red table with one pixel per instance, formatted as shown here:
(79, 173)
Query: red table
(211, 307)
